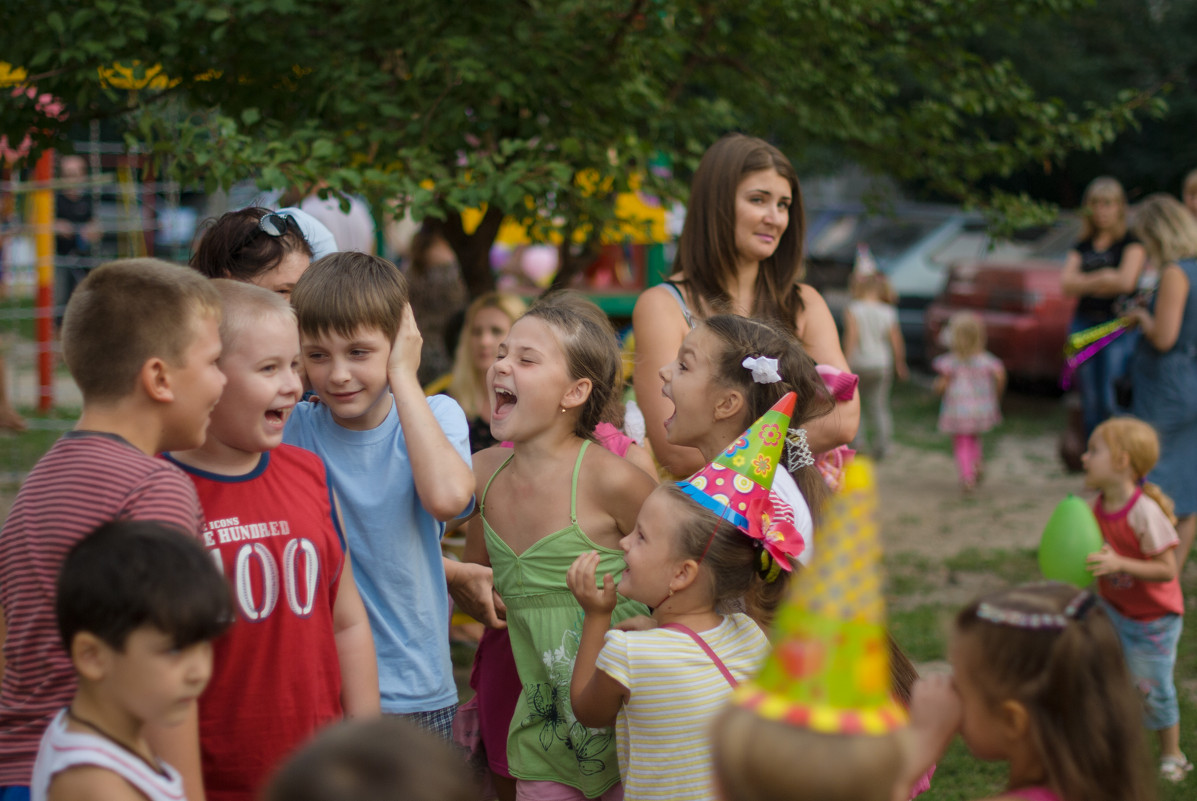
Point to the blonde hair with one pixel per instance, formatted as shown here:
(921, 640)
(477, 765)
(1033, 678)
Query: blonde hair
(1167, 228)
(1091, 750)
(1139, 442)
(465, 385)
(878, 283)
(243, 305)
(127, 312)
(1103, 188)
(966, 334)
(347, 291)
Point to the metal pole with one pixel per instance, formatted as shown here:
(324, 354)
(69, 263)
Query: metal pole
(43, 225)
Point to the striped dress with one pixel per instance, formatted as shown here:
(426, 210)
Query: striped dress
(662, 732)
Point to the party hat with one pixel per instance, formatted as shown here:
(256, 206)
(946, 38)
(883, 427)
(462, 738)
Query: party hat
(829, 668)
(737, 485)
(865, 265)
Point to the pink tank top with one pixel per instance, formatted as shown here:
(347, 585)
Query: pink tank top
(1036, 794)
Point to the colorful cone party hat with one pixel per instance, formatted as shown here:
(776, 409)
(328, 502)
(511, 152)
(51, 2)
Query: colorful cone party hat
(829, 668)
(737, 485)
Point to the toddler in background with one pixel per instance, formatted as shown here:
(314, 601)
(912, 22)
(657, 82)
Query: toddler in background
(1038, 681)
(971, 381)
(138, 605)
(876, 352)
(1137, 572)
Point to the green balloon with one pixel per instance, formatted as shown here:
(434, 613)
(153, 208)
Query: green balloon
(1071, 535)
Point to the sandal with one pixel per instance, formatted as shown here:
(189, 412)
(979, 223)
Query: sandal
(1175, 768)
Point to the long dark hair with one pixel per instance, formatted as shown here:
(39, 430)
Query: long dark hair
(706, 251)
(233, 246)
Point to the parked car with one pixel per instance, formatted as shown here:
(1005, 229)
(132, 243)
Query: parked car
(1026, 315)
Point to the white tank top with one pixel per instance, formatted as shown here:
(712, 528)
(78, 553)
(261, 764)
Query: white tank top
(62, 749)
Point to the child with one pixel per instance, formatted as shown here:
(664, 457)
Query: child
(398, 462)
(729, 371)
(542, 503)
(149, 378)
(300, 654)
(138, 604)
(875, 350)
(971, 381)
(1137, 571)
(1038, 681)
(378, 760)
(686, 561)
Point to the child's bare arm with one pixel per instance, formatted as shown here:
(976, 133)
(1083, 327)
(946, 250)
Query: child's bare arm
(941, 384)
(935, 716)
(850, 334)
(1161, 567)
(178, 746)
(444, 481)
(640, 457)
(595, 696)
(898, 345)
(355, 650)
(473, 589)
(625, 491)
(999, 380)
(91, 783)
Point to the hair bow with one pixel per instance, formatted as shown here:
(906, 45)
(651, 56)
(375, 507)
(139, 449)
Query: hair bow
(764, 369)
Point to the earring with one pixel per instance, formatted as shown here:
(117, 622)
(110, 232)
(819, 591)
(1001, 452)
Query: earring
(563, 410)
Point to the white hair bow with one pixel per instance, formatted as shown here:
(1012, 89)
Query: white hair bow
(764, 369)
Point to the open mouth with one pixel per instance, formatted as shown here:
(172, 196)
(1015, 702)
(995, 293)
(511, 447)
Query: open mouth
(279, 415)
(504, 400)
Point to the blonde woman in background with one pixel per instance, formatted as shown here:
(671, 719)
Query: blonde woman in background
(1101, 270)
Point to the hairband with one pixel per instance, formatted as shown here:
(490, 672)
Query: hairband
(767, 567)
(798, 451)
(764, 369)
(1077, 608)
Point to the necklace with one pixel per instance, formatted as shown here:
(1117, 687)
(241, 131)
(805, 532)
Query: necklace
(156, 768)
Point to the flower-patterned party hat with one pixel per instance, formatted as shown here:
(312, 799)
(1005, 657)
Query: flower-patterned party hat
(829, 668)
(737, 485)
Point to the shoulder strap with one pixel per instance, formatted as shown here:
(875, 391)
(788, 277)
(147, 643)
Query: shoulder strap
(573, 489)
(489, 481)
(681, 301)
(689, 632)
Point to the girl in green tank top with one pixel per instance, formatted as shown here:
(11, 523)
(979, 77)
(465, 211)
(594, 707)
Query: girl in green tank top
(542, 503)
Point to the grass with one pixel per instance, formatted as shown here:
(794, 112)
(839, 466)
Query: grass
(19, 452)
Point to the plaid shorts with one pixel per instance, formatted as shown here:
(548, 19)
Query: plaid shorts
(437, 721)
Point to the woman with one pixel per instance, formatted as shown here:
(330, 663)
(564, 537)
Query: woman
(487, 321)
(1164, 367)
(1104, 267)
(257, 246)
(741, 252)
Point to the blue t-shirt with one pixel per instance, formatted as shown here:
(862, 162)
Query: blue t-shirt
(395, 546)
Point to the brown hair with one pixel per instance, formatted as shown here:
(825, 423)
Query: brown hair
(347, 291)
(706, 250)
(1138, 440)
(1103, 188)
(127, 312)
(742, 337)
(385, 759)
(1085, 713)
(1167, 228)
(233, 246)
(755, 759)
(966, 333)
(591, 351)
(732, 559)
(243, 305)
(465, 382)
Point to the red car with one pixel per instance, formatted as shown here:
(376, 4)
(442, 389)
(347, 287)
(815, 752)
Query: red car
(1026, 315)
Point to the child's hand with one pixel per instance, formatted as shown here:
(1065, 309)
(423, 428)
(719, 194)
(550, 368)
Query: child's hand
(1104, 562)
(581, 581)
(935, 708)
(405, 350)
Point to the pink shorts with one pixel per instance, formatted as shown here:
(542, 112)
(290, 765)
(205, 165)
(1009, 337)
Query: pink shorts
(556, 791)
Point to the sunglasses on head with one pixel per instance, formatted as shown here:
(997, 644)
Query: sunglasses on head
(275, 224)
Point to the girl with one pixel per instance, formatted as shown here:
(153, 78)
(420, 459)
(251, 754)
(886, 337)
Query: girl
(1137, 571)
(541, 504)
(728, 372)
(662, 687)
(1104, 267)
(971, 381)
(876, 351)
(257, 246)
(740, 252)
(1027, 665)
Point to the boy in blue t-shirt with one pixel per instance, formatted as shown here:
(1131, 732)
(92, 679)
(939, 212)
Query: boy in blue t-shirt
(399, 463)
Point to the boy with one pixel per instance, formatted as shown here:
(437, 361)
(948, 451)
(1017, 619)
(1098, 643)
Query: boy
(398, 461)
(138, 603)
(140, 339)
(300, 654)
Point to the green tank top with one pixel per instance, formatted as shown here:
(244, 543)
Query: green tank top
(544, 620)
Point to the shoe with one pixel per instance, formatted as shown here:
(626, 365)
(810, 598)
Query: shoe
(1175, 768)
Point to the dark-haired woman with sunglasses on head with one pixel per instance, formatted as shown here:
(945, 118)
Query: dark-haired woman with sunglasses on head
(254, 245)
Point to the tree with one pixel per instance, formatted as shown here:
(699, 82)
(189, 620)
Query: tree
(542, 109)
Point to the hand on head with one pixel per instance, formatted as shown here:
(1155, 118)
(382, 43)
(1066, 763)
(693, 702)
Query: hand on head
(405, 350)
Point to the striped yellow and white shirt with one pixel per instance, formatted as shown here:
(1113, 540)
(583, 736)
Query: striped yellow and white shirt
(674, 690)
